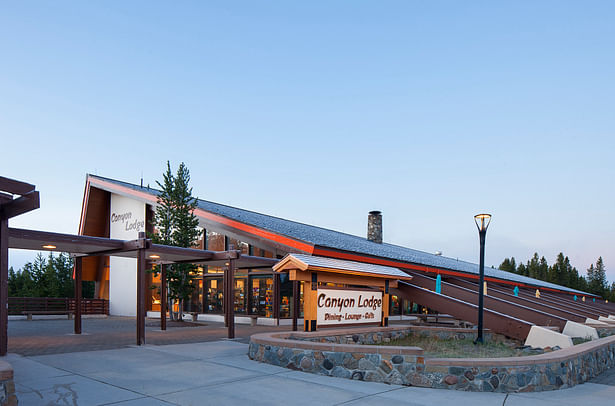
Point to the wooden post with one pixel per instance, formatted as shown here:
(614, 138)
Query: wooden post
(385, 305)
(4, 284)
(141, 292)
(230, 302)
(225, 296)
(276, 297)
(204, 282)
(296, 304)
(78, 270)
(163, 298)
(249, 295)
(310, 293)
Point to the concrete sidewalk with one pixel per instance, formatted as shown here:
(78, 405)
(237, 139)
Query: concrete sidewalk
(220, 373)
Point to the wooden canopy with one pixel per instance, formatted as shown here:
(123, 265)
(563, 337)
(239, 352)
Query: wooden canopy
(18, 197)
(331, 270)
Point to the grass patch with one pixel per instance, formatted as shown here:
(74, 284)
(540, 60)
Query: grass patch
(580, 340)
(465, 348)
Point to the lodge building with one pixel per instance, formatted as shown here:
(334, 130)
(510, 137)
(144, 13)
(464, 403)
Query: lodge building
(120, 210)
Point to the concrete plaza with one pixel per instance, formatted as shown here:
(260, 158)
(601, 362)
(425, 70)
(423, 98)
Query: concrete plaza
(218, 372)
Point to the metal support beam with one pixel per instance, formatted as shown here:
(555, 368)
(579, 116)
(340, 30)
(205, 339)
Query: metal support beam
(163, 297)
(481, 286)
(78, 271)
(4, 283)
(498, 322)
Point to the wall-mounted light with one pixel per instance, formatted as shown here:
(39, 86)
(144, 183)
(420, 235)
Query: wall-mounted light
(49, 247)
(154, 256)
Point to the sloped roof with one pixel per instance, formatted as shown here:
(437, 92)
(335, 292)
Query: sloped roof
(340, 264)
(323, 237)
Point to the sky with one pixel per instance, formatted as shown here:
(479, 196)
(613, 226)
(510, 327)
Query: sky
(321, 111)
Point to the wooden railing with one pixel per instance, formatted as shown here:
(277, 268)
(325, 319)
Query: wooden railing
(18, 305)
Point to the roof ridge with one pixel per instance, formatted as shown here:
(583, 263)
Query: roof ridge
(248, 211)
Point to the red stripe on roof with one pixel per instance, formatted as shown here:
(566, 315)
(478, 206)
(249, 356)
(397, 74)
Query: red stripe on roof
(403, 265)
(256, 231)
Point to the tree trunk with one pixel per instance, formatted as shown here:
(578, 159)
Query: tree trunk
(180, 313)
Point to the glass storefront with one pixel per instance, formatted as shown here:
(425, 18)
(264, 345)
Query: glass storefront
(262, 296)
(400, 306)
(214, 289)
(240, 290)
(253, 289)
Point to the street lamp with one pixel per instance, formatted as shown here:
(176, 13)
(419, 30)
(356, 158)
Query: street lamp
(482, 222)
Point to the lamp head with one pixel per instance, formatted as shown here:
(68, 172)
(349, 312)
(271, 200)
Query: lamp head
(482, 221)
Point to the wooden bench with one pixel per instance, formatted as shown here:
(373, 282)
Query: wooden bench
(441, 319)
(29, 313)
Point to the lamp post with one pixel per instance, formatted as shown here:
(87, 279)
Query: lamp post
(482, 222)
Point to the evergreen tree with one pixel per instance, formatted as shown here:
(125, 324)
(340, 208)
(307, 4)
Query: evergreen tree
(47, 277)
(533, 267)
(508, 265)
(164, 210)
(563, 273)
(543, 269)
(596, 278)
(177, 225)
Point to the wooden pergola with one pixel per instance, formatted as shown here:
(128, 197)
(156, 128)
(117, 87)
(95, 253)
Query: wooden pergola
(18, 197)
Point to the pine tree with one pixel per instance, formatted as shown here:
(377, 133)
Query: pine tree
(543, 269)
(598, 283)
(47, 277)
(533, 268)
(508, 265)
(177, 225)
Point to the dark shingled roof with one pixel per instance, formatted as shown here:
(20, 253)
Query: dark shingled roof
(341, 241)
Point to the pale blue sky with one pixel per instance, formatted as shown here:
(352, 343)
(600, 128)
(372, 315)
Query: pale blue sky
(322, 111)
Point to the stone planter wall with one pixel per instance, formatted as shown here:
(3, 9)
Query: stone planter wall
(336, 353)
(385, 335)
(7, 386)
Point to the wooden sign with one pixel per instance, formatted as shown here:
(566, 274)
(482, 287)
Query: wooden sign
(339, 307)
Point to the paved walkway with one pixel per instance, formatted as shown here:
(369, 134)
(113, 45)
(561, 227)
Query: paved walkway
(220, 373)
(215, 371)
(55, 336)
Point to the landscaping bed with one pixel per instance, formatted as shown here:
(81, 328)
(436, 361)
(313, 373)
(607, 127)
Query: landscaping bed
(350, 353)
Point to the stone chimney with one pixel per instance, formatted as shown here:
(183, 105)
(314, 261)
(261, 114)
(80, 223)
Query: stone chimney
(374, 226)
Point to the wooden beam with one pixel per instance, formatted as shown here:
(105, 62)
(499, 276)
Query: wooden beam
(289, 263)
(78, 269)
(127, 246)
(4, 285)
(163, 297)
(326, 277)
(141, 263)
(231, 301)
(85, 243)
(21, 205)
(15, 187)
(277, 297)
(296, 304)
(5, 198)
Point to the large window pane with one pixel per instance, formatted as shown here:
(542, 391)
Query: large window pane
(240, 295)
(214, 289)
(215, 241)
(262, 296)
